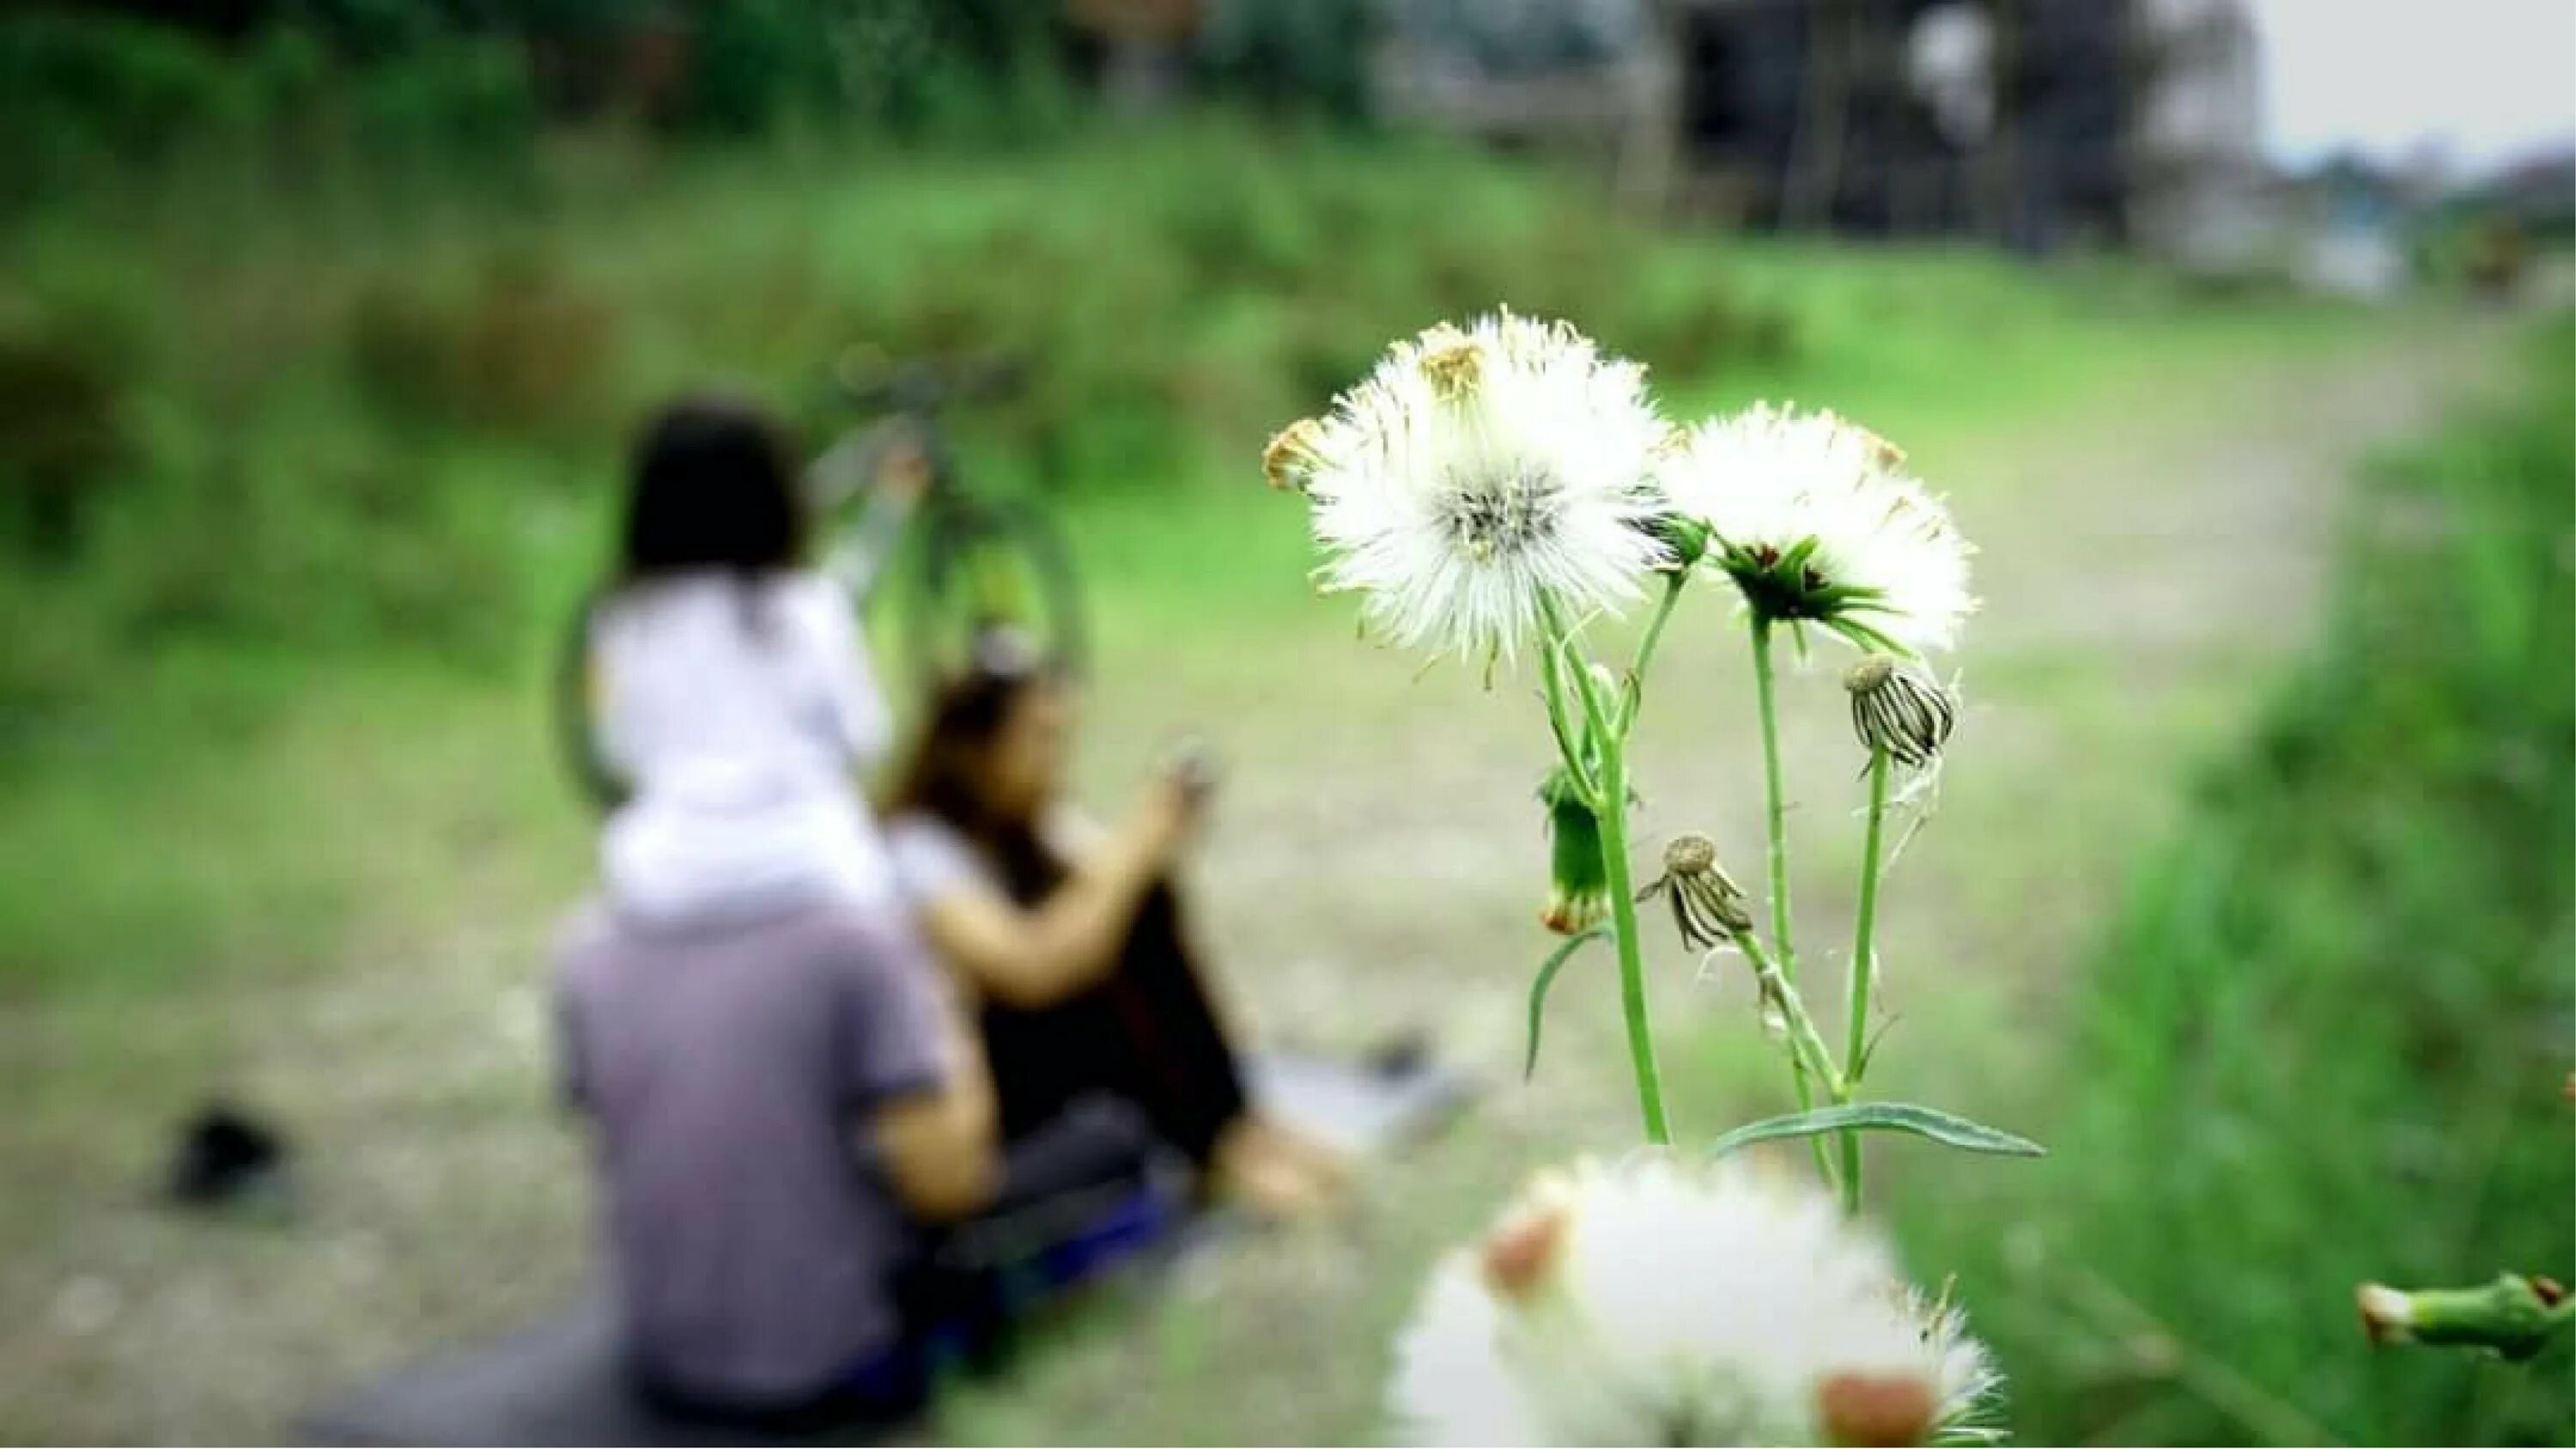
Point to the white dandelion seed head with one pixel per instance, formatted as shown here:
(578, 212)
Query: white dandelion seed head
(1769, 479)
(1479, 474)
(1653, 1302)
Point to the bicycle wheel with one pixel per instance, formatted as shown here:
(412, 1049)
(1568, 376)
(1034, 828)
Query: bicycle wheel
(576, 739)
(987, 564)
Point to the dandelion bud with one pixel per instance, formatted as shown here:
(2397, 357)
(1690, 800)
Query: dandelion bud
(1897, 706)
(1291, 457)
(2512, 1316)
(1685, 540)
(1578, 883)
(1708, 907)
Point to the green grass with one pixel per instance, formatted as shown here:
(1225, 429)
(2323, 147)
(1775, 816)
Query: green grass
(2325, 1036)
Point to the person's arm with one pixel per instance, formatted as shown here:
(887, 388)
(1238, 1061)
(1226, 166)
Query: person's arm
(861, 724)
(1031, 956)
(915, 1079)
(589, 688)
(939, 1147)
(887, 462)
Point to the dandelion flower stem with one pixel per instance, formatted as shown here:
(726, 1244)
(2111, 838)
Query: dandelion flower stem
(1646, 648)
(1864, 972)
(1552, 686)
(1775, 810)
(1605, 776)
(1775, 813)
(1806, 1044)
(1623, 920)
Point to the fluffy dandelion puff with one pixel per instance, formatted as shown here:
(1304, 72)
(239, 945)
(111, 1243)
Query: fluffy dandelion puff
(1479, 477)
(1652, 1302)
(1817, 521)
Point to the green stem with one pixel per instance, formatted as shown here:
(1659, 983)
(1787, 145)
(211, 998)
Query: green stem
(1646, 648)
(1623, 919)
(1806, 1044)
(1864, 972)
(1552, 685)
(1775, 814)
(1775, 803)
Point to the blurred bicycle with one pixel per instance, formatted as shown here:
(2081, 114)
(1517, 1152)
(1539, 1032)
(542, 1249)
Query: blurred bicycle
(904, 533)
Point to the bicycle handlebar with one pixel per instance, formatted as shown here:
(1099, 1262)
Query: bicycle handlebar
(868, 381)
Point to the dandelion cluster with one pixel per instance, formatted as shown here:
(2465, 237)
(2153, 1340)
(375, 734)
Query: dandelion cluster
(1496, 486)
(1482, 476)
(1655, 1303)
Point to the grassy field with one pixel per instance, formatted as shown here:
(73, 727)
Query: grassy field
(314, 859)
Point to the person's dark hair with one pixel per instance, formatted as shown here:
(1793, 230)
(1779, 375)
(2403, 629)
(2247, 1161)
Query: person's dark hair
(713, 486)
(944, 776)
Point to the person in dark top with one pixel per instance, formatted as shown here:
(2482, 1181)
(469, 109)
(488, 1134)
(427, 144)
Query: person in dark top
(1070, 939)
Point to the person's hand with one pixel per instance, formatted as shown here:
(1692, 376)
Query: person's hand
(1192, 767)
(903, 472)
(1176, 802)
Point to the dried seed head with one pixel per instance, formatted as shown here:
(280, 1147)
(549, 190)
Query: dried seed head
(1290, 457)
(1708, 907)
(1690, 854)
(1897, 706)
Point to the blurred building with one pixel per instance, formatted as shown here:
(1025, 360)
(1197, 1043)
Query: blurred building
(2045, 123)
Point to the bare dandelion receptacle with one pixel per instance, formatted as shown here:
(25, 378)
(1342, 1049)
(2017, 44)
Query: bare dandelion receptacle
(1897, 706)
(1709, 909)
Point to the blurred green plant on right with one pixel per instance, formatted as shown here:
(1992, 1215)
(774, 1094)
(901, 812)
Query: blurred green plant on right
(2327, 1037)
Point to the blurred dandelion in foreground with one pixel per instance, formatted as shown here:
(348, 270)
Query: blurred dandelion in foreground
(1653, 1302)
(1816, 521)
(1897, 706)
(1479, 478)
(1709, 909)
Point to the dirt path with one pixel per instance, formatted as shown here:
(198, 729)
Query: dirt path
(1378, 866)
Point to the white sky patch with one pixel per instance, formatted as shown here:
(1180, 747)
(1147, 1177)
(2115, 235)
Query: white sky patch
(2486, 80)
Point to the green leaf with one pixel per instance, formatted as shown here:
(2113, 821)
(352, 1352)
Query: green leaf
(1940, 1126)
(1547, 970)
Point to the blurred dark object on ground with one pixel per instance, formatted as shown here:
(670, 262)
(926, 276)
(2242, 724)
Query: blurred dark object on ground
(226, 1157)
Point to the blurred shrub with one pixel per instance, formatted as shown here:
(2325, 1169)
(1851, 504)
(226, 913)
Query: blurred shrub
(524, 347)
(2326, 1038)
(98, 103)
(92, 94)
(68, 368)
(1302, 52)
(951, 68)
